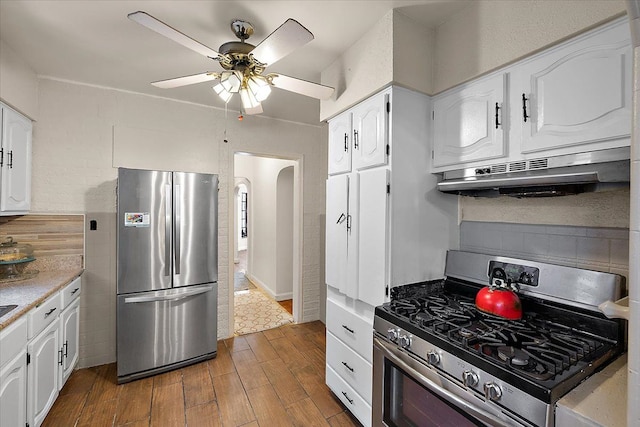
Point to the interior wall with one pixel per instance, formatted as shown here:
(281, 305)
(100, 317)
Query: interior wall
(284, 234)
(263, 173)
(74, 171)
(489, 34)
(18, 83)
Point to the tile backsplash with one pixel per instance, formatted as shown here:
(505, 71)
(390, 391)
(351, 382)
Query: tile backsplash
(594, 248)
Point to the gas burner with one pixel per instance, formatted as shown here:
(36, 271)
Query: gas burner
(515, 356)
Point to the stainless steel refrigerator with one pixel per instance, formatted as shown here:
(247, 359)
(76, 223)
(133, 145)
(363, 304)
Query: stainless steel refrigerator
(167, 271)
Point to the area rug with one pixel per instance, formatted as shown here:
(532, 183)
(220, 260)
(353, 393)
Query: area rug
(255, 311)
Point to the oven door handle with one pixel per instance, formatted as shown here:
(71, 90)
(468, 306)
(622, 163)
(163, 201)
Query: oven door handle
(399, 359)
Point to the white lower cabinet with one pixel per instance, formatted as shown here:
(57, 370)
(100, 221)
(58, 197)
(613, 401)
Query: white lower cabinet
(13, 374)
(38, 353)
(69, 337)
(349, 398)
(42, 373)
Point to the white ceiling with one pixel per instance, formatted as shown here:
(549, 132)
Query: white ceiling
(93, 42)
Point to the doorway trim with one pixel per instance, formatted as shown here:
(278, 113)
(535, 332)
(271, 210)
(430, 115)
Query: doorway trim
(298, 234)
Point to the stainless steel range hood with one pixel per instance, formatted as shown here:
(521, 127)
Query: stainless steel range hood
(543, 177)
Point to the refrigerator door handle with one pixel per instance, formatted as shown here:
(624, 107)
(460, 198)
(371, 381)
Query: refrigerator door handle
(176, 241)
(178, 294)
(167, 231)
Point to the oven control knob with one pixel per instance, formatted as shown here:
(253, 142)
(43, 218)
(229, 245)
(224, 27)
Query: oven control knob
(492, 391)
(405, 341)
(433, 357)
(393, 334)
(470, 378)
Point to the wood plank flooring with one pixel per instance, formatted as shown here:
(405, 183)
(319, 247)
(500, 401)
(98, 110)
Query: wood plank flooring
(270, 378)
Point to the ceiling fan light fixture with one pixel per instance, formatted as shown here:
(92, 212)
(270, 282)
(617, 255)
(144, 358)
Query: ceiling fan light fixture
(222, 92)
(259, 87)
(249, 101)
(230, 81)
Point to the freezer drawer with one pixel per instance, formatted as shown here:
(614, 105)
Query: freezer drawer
(162, 328)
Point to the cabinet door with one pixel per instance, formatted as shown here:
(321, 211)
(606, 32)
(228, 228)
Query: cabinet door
(336, 232)
(372, 227)
(370, 132)
(468, 123)
(70, 334)
(42, 373)
(577, 94)
(340, 144)
(13, 392)
(15, 194)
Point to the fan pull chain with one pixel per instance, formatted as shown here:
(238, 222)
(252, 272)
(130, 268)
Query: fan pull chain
(225, 124)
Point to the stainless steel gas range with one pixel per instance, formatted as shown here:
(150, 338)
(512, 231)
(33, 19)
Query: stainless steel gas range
(438, 361)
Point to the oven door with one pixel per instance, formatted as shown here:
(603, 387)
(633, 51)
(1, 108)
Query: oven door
(406, 392)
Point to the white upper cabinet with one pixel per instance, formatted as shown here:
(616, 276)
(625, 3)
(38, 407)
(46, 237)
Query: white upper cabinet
(468, 123)
(15, 162)
(359, 137)
(340, 134)
(578, 94)
(572, 98)
(370, 134)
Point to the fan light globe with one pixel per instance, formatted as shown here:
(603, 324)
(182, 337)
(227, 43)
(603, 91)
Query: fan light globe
(248, 99)
(260, 87)
(222, 92)
(230, 81)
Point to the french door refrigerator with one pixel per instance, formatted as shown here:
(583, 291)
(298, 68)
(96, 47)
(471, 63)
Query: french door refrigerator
(167, 271)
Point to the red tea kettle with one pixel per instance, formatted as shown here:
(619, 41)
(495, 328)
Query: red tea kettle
(499, 298)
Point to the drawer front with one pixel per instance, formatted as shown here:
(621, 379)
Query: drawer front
(71, 292)
(44, 314)
(13, 340)
(347, 395)
(351, 329)
(350, 366)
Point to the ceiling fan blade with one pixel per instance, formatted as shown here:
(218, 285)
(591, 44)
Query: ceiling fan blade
(254, 110)
(303, 87)
(186, 80)
(284, 40)
(161, 28)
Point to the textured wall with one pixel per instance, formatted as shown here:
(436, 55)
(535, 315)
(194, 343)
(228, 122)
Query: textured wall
(18, 83)
(74, 171)
(489, 34)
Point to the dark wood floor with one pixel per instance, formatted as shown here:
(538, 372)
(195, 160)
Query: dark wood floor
(287, 305)
(270, 378)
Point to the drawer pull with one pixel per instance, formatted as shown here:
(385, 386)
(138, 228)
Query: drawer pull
(347, 366)
(60, 354)
(348, 329)
(347, 397)
(75, 290)
(49, 312)
(66, 348)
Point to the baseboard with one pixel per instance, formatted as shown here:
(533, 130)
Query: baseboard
(267, 290)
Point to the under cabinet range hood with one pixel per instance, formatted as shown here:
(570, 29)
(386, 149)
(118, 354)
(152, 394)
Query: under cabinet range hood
(543, 177)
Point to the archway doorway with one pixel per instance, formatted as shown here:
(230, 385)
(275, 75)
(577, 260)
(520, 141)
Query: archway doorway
(271, 224)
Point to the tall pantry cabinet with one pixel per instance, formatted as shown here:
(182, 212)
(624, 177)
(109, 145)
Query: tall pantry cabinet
(386, 225)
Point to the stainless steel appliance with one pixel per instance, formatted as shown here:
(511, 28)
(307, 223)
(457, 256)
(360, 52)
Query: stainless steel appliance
(167, 271)
(438, 361)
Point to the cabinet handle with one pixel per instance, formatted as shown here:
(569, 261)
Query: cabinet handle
(355, 139)
(75, 290)
(341, 218)
(348, 222)
(1, 157)
(66, 348)
(497, 121)
(346, 142)
(49, 312)
(347, 366)
(11, 159)
(524, 108)
(347, 397)
(348, 329)
(60, 357)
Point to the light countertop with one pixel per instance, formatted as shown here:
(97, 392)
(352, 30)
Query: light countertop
(599, 401)
(27, 294)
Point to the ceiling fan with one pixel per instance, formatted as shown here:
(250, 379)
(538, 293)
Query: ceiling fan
(243, 63)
